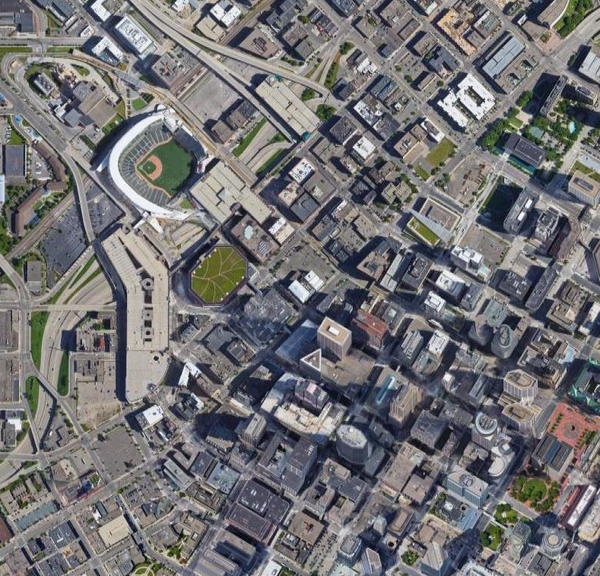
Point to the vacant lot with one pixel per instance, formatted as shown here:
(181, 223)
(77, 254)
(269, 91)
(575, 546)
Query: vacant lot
(468, 180)
(440, 153)
(218, 275)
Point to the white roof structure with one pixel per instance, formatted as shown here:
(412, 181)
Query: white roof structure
(272, 568)
(581, 508)
(129, 31)
(314, 280)
(225, 13)
(438, 342)
(432, 130)
(450, 283)
(470, 483)
(470, 97)
(468, 255)
(151, 416)
(364, 148)
(112, 161)
(434, 302)
(86, 32)
(471, 261)
(304, 288)
(366, 67)
(106, 44)
(16, 420)
(179, 5)
(189, 369)
(301, 171)
(449, 104)
(367, 113)
(281, 230)
(300, 291)
(97, 7)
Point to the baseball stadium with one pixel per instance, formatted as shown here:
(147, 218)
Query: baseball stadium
(155, 160)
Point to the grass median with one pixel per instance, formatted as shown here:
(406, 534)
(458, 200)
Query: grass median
(38, 325)
(247, 140)
(63, 375)
(32, 393)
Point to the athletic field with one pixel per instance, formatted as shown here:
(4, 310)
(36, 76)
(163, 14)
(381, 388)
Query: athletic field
(168, 166)
(218, 275)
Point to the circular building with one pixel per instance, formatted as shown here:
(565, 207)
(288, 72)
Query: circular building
(504, 342)
(218, 275)
(153, 161)
(352, 445)
(553, 543)
(485, 431)
(502, 458)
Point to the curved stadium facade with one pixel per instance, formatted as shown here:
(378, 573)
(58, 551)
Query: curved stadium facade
(135, 145)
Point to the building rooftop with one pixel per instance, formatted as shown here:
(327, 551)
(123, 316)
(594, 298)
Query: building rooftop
(505, 54)
(525, 150)
(334, 331)
(590, 67)
(132, 33)
(146, 283)
(517, 216)
(469, 95)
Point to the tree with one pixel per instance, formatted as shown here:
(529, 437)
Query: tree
(495, 133)
(525, 99)
(325, 112)
(345, 48)
(308, 94)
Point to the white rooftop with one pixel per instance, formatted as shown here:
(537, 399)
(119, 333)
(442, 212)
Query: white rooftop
(301, 171)
(225, 12)
(133, 34)
(364, 148)
(97, 7)
(469, 97)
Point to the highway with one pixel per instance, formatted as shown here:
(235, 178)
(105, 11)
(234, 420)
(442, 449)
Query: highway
(65, 314)
(42, 422)
(41, 44)
(237, 82)
(170, 26)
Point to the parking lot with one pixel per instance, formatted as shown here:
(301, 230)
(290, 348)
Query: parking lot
(63, 244)
(491, 246)
(119, 452)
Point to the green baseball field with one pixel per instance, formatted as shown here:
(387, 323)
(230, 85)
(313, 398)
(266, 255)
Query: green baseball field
(218, 275)
(167, 167)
